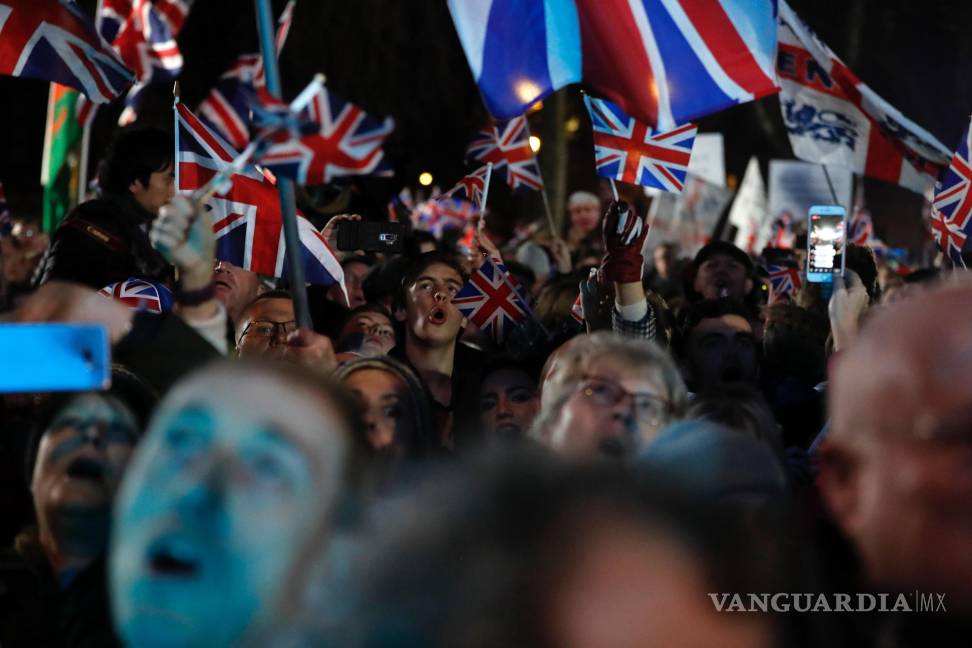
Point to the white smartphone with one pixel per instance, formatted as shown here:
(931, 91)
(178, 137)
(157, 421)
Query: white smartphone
(826, 243)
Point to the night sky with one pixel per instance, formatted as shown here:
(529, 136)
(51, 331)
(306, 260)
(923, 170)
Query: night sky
(402, 58)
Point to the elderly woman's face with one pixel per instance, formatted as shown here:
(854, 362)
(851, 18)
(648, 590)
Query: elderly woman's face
(612, 409)
(235, 473)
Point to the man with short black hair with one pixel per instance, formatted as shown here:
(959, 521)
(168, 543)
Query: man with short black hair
(106, 240)
(718, 346)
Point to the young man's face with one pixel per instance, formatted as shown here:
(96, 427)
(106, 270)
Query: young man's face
(430, 316)
(722, 276)
(721, 351)
(159, 190)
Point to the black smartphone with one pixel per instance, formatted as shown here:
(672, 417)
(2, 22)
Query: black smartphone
(370, 236)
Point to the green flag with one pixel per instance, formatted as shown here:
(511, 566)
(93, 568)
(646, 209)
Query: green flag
(59, 168)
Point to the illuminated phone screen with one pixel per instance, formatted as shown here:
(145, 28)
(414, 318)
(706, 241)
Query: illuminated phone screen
(826, 243)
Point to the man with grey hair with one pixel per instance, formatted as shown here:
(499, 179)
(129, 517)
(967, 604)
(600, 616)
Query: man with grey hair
(608, 395)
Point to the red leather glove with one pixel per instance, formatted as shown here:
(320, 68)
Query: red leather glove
(624, 236)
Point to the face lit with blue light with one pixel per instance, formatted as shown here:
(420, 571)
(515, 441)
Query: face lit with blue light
(234, 477)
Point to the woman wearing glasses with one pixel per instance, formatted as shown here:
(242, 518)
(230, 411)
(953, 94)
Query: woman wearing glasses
(608, 396)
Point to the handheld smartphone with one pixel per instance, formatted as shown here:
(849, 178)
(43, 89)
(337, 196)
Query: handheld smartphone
(826, 243)
(54, 357)
(370, 236)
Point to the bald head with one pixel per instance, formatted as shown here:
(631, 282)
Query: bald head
(895, 471)
(909, 372)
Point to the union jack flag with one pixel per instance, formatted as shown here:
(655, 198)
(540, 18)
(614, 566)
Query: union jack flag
(247, 218)
(784, 282)
(438, 215)
(348, 142)
(471, 187)
(507, 146)
(627, 150)
(577, 310)
(143, 33)
(52, 40)
(950, 239)
(953, 201)
(860, 229)
(6, 222)
(227, 108)
(403, 198)
(490, 300)
(141, 294)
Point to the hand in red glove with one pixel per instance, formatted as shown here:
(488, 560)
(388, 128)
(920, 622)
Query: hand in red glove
(624, 235)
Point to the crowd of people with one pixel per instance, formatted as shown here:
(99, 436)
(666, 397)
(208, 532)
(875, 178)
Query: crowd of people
(393, 476)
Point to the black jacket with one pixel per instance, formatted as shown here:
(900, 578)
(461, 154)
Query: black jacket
(35, 612)
(103, 241)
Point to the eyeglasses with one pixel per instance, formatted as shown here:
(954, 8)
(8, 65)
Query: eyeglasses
(268, 328)
(649, 408)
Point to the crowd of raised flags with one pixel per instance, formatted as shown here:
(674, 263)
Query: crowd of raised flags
(655, 66)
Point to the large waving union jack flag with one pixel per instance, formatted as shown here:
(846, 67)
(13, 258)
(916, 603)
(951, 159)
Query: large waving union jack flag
(667, 62)
(490, 300)
(226, 109)
(953, 199)
(471, 187)
(507, 146)
(54, 41)
(141, 294)
(628, 151)
(247, 218)
(348, 142)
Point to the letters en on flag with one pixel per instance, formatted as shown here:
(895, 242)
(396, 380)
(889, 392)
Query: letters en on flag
(666, 62)
(348, 142)
(834, 119)
(247, 219)
(490, 300)
(952, 206)
(507, 146)
(628, 151)
(54, 41)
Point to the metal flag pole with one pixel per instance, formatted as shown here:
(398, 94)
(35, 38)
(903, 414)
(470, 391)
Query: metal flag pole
(285, 186)
(614, 189)
(833, 194)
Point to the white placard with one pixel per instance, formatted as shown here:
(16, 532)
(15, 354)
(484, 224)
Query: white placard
(708, 159)
(796, 186)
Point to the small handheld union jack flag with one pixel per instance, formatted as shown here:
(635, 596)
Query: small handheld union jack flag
(490, 300)
(471, 187)
(860, 229)
(507, 146)
(141, 294)
(784, 282)
(347, 141)
(952, 206)
(627, 151)
(438, 215)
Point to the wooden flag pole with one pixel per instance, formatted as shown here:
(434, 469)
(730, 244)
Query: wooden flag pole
(285, 186)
